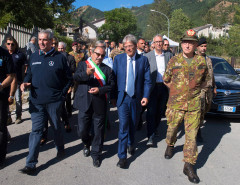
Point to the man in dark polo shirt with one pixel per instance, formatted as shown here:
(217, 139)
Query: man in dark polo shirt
(20, 64)
(50, 78)
(6, 77)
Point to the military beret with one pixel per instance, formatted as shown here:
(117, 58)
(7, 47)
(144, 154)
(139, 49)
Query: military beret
(202, 40)
(74, 43)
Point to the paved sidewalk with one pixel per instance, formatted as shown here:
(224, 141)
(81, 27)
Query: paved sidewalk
(218, 161)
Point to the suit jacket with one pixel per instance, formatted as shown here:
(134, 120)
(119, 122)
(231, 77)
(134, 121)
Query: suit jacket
(142, 76)
(83, 99)
(153, 64)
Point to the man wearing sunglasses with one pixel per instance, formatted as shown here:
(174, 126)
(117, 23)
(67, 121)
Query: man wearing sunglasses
(20, 65)
(6, 77)
(95, 80)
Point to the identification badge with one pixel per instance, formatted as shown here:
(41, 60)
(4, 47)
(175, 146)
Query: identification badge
(1, 62)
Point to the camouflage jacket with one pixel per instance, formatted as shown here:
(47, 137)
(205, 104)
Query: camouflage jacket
(186, 82)
(210, 83)
(77, 56)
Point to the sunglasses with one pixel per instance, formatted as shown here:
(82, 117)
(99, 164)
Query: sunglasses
(12, 44)
(98, 54)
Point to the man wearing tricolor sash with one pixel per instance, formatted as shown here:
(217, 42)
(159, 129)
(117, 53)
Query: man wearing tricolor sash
(95, 80)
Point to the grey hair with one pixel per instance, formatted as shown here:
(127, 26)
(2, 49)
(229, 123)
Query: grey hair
(93, 48)
(62, 43)
(130, 38)
(158, 35)
(100, 43)
(48, 32)
(33, 38)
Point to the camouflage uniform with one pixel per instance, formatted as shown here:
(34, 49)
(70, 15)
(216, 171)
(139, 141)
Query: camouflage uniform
(184, 103)
(207, 94)
(77, 56)
(115, 52)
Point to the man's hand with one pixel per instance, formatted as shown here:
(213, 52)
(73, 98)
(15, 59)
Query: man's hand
(214, 92)
(24, 85)
(10, 100)
(167, 84)
(90, 70)
(113, 102)
(94, 90)
(69, 90)
(144, 102)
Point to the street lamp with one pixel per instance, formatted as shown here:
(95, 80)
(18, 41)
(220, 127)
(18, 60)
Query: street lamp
(165, 16)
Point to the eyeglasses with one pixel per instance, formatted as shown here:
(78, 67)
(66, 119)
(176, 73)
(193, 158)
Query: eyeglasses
(98, 54)
(166, 44)
(12, 44)
(158, 42)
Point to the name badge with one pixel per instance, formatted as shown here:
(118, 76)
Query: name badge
(1, 62)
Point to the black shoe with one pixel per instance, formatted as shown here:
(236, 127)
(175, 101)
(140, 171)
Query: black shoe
(60, 155)
(86, 151)
(131, 150)
(150, 142)
(27, 170)
(122, 163)
(189, 171)
(169, 152)
(96, 163)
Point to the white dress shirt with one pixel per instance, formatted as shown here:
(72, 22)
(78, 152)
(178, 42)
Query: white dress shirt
(160, 66)
(134, 63)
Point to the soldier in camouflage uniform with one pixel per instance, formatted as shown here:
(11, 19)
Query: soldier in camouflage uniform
(186, 75)
(206, 95)
(78, 56)
(117, 51)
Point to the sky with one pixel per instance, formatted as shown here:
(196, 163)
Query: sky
(106, 5)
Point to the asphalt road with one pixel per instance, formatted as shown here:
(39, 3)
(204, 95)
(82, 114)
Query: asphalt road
(218, 161)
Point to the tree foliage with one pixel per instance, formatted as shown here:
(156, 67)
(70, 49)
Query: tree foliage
(157, 23)
(40, 13)
(119, 22)
(237, 15)
(233, 43)
(179, 23)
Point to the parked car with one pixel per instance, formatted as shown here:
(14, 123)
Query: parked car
(227, 101)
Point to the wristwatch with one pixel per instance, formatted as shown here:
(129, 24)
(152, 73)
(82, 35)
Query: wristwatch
(12, 97)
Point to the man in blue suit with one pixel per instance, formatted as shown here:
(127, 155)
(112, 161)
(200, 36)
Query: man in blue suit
(133, 89)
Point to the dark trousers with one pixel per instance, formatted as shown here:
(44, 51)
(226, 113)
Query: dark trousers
(68, 103)
(3, 125)
(92, 119)
(128, 113)
(156, 107)
(39, 116)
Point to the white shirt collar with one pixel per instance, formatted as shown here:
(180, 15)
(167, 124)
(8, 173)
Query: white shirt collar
(158, 54)
(129, 58)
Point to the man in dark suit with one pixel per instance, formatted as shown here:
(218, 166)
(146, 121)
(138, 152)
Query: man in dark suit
(133, 85)
(95, 80)
(159, 92)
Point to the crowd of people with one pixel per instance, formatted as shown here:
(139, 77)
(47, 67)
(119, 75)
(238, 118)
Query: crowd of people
(135, 76)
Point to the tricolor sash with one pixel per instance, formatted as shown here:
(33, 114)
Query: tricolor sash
(99, 75)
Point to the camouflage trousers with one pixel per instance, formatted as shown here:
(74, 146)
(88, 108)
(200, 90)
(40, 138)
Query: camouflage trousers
(206, 100)
(191, 125)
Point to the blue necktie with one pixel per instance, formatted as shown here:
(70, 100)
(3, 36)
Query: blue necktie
(130, 85)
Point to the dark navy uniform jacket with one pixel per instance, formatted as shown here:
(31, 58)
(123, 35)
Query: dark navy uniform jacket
(49, 75)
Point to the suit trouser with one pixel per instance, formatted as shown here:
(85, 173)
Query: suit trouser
(69, 103)
(128, 113)
(3, 125)
(92, 119)
(191, 125)
(39, 116)
(156, 107)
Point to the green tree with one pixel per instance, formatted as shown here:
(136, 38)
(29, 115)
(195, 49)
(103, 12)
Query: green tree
(179, 23)
(40, 13)
(119, 22)
(237, 15)
(158, 23)
(233, 43)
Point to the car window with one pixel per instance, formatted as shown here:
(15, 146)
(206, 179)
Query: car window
(221, 66)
